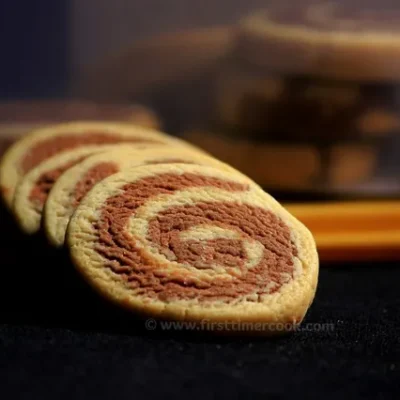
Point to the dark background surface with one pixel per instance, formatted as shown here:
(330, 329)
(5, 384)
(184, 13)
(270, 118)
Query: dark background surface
(59, 340)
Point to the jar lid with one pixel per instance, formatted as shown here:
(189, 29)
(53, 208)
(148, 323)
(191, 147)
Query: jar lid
(332, 40)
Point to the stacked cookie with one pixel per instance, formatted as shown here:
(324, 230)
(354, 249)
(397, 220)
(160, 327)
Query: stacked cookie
(309, 83)
(159, 227)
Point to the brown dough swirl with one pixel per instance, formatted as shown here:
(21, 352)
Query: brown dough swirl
(52, 146)
(207, 250)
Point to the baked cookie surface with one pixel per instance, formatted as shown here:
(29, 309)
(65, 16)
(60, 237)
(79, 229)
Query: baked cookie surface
(33, 189)
(44, 143)
(194, 243)
(76, 182)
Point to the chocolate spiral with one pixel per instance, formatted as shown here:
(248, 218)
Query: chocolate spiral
(45, 182)
(52, 146)
(188, 236)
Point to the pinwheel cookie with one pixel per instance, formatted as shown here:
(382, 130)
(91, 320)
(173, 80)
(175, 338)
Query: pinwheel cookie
(44, 143)
(74, 184)
(32, 191)
(194, 243)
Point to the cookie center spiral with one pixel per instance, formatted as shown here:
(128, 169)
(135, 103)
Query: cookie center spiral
(213, 249)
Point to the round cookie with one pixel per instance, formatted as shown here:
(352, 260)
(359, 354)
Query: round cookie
(195, 243)
(330, 39)
(44, 143)
(32, 191)
(76, 182)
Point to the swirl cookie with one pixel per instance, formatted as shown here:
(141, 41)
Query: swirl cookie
(194, 243)
(76, 182)
(44, 143)
(33, 189)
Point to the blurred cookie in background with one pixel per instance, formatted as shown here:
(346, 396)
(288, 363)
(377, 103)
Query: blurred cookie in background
(307, 76)
(309, 71)
(293, 83)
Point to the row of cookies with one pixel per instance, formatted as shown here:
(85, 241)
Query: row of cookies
(159, 227)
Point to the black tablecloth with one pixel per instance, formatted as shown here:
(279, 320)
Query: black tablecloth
(58, 340)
